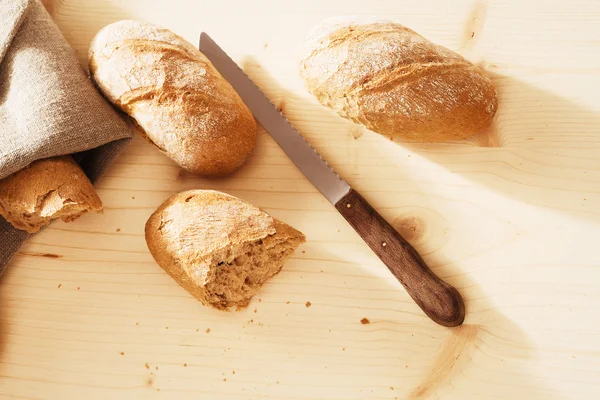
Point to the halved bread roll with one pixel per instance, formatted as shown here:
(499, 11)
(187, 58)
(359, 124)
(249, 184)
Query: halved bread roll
(46, 190)
(219, 248)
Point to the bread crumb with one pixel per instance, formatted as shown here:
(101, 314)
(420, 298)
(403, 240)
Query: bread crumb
(59, 285)
(391, 388)
(343, 349)
(287, 302)
(207, 330)
(277, 382)
(166, 327)
(137, 323)
(78, 288)
(365, 321)
(185, 364)
(356, 131)
(198, 330)
(303, 252)
(308, 304)
(233, 372)
(255, 310)
(224, 379)
(118, 229)
(157, 367)
(147, 366)
(132, 197)
(260, 300)
(122, 353)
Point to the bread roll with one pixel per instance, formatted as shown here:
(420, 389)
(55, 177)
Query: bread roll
(218, 247)
(397, 83)
(46, 190)
(175, 95)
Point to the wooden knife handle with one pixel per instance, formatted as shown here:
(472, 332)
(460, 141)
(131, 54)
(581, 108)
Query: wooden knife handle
(440, 301)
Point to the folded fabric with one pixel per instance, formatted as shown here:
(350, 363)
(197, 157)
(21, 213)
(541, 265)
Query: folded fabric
(48, 106)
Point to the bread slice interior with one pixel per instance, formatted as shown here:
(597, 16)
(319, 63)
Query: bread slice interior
(238, 272)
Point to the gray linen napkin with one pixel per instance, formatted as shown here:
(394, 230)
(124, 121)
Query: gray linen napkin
(48, 106)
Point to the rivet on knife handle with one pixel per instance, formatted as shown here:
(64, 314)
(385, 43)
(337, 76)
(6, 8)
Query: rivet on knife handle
(440, 301)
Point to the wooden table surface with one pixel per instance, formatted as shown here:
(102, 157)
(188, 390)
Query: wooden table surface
(510, 217)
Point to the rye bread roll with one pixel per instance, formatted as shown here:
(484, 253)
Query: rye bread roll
(46, 190)
(397, 83)
(217, 247)
(176, 97)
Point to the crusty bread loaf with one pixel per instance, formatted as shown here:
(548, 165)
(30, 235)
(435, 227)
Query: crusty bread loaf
(219, 248)
(46, 190)
(397, 83)
(175, 95)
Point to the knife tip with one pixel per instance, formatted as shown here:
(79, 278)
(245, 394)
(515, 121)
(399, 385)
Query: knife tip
(203, 37)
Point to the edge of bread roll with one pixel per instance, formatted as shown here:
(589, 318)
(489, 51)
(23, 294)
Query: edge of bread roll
(330, 25)
(219, 248)
(176, 97)
(47, 190)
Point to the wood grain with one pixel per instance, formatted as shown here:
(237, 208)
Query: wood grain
(440, 301)
(510, 218)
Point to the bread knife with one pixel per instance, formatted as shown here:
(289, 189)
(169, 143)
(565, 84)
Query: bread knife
(440, 301)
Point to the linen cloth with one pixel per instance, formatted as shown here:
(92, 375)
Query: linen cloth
(48, 105)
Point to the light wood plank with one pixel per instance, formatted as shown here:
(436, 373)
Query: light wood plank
(510, 217)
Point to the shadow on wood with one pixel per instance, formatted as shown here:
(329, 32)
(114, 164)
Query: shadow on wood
(458, 351)
(541, 149)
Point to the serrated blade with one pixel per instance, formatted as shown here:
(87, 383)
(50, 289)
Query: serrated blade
(306, 158)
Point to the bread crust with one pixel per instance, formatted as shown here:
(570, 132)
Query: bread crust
(46, 190)
(175, 95)
(397, 83)
(193, 230)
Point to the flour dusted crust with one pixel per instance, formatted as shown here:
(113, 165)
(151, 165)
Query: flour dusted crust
(219, 248)
(46, 190)
(395, 82)
(177, 98)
